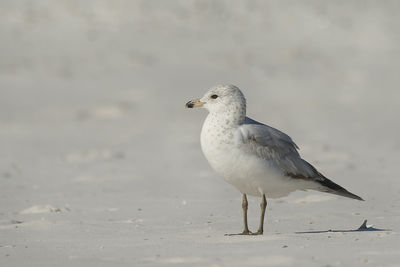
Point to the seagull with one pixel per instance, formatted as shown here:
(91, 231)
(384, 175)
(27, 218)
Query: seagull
(257, 159)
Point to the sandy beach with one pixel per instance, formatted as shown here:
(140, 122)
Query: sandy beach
(101, 164)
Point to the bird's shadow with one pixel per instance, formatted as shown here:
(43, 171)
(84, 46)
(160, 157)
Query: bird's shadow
(362, 228)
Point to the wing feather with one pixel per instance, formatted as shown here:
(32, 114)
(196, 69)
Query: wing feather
(273, 145)
(277, 147)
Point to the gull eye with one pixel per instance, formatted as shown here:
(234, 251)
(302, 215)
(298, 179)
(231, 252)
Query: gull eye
(214, 96)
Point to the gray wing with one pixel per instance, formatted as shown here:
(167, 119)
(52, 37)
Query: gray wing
(273, 145)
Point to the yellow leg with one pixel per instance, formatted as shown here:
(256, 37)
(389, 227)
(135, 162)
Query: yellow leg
(263, 206)
(245, 206)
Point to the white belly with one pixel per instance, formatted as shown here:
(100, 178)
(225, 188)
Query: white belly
(247, 172)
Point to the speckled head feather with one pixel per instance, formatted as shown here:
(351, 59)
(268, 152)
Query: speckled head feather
(226, 100)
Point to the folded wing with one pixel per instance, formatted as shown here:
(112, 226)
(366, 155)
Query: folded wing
(277, 147)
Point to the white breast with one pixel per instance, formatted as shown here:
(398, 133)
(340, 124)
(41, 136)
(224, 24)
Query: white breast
(216, 144)
(249, 173)
(221, 151)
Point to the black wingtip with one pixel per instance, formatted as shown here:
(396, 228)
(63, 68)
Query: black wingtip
(337, 189)
(344, 193)
(353, 196)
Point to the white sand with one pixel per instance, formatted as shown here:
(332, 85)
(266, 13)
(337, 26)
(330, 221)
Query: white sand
(87, 179)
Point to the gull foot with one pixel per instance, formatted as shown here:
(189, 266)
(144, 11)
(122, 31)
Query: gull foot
(245, 232)
(257, 233)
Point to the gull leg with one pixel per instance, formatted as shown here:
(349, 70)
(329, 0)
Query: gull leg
(263, 206)
(245, 205)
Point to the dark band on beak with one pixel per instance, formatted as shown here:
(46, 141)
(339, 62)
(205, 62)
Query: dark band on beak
(196, 103)
(189, 104)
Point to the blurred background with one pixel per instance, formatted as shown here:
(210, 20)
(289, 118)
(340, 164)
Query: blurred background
(92, 96)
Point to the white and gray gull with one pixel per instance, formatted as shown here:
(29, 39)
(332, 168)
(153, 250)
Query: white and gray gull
(257, 159)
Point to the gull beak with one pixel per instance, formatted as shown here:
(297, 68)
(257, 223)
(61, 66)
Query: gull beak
(194, 104)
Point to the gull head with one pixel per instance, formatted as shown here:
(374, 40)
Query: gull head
(222, 99)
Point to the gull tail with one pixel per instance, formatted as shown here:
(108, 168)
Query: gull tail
(336, 189)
